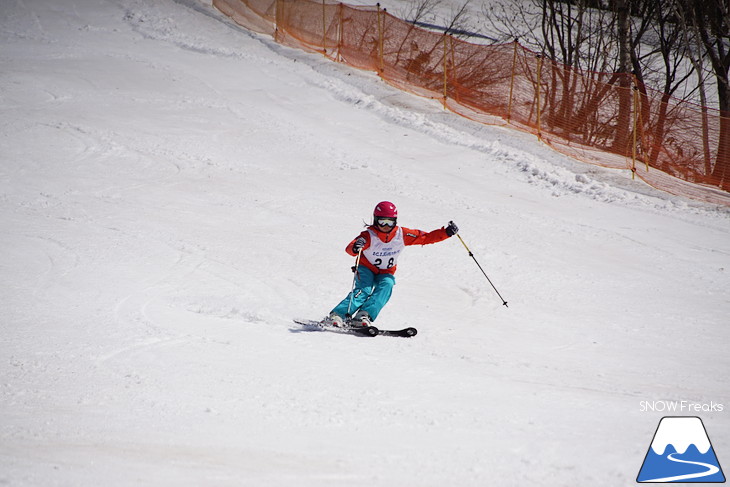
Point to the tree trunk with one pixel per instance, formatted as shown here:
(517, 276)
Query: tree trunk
(623, 127)
(721, 172)
(712, 18)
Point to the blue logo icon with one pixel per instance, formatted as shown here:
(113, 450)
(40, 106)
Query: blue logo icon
(681, 452)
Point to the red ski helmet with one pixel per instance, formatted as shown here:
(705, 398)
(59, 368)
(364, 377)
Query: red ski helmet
(385, 209)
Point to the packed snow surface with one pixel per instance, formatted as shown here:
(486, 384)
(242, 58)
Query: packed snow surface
(174, 190)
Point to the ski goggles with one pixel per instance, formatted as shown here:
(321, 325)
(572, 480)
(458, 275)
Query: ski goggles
(385, 222)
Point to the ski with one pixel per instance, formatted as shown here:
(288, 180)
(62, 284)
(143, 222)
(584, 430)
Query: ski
(359, 330)
(368, 331)
(405, 332)
(373, 331)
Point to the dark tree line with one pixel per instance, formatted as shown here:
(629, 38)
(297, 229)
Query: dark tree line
(680, 48)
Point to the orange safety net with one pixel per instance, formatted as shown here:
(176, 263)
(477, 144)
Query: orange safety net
(601, 118)
(256, 15)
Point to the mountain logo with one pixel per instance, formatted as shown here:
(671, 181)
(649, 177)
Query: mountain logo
(680, 452)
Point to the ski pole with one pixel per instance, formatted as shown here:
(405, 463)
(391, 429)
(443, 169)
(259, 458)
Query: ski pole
(480, 268)
(354, 280)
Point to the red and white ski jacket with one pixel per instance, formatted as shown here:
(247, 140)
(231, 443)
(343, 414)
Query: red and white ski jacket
(381, 250)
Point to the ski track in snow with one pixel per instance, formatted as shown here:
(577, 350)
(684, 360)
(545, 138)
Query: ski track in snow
(175, 189)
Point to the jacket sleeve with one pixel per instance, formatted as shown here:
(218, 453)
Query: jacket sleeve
(419, 237)
(364, 234)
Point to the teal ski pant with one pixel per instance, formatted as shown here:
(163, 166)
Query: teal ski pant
(372, 291)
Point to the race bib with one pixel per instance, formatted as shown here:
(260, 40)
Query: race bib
(384, 255)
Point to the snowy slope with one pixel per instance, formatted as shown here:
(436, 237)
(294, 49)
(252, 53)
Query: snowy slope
(174, 189)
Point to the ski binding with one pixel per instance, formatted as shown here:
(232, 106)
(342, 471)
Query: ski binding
(359, 330)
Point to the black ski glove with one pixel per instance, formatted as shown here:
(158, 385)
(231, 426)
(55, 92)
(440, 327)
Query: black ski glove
(452, 229)
(358, 245)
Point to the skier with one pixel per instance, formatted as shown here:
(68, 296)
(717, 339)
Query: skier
(377, 249)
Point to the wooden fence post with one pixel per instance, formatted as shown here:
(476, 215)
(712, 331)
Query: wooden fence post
(324, 26)
(445, 76)
(633, 141)
(537, 92)
(277, 19)
(381, 62)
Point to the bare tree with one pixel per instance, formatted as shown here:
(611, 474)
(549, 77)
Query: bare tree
(512, 20)
(660, 42)
(712, 18)
(623, 31)
(420, 11)
(659, 56)
(460, 20)
(422, 55)
(574, 33)
(696, 55)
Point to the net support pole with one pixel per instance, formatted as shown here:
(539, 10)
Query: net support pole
(633, 139)
(381, 63)
(324, 26)
(537, 95)
(445, 74)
